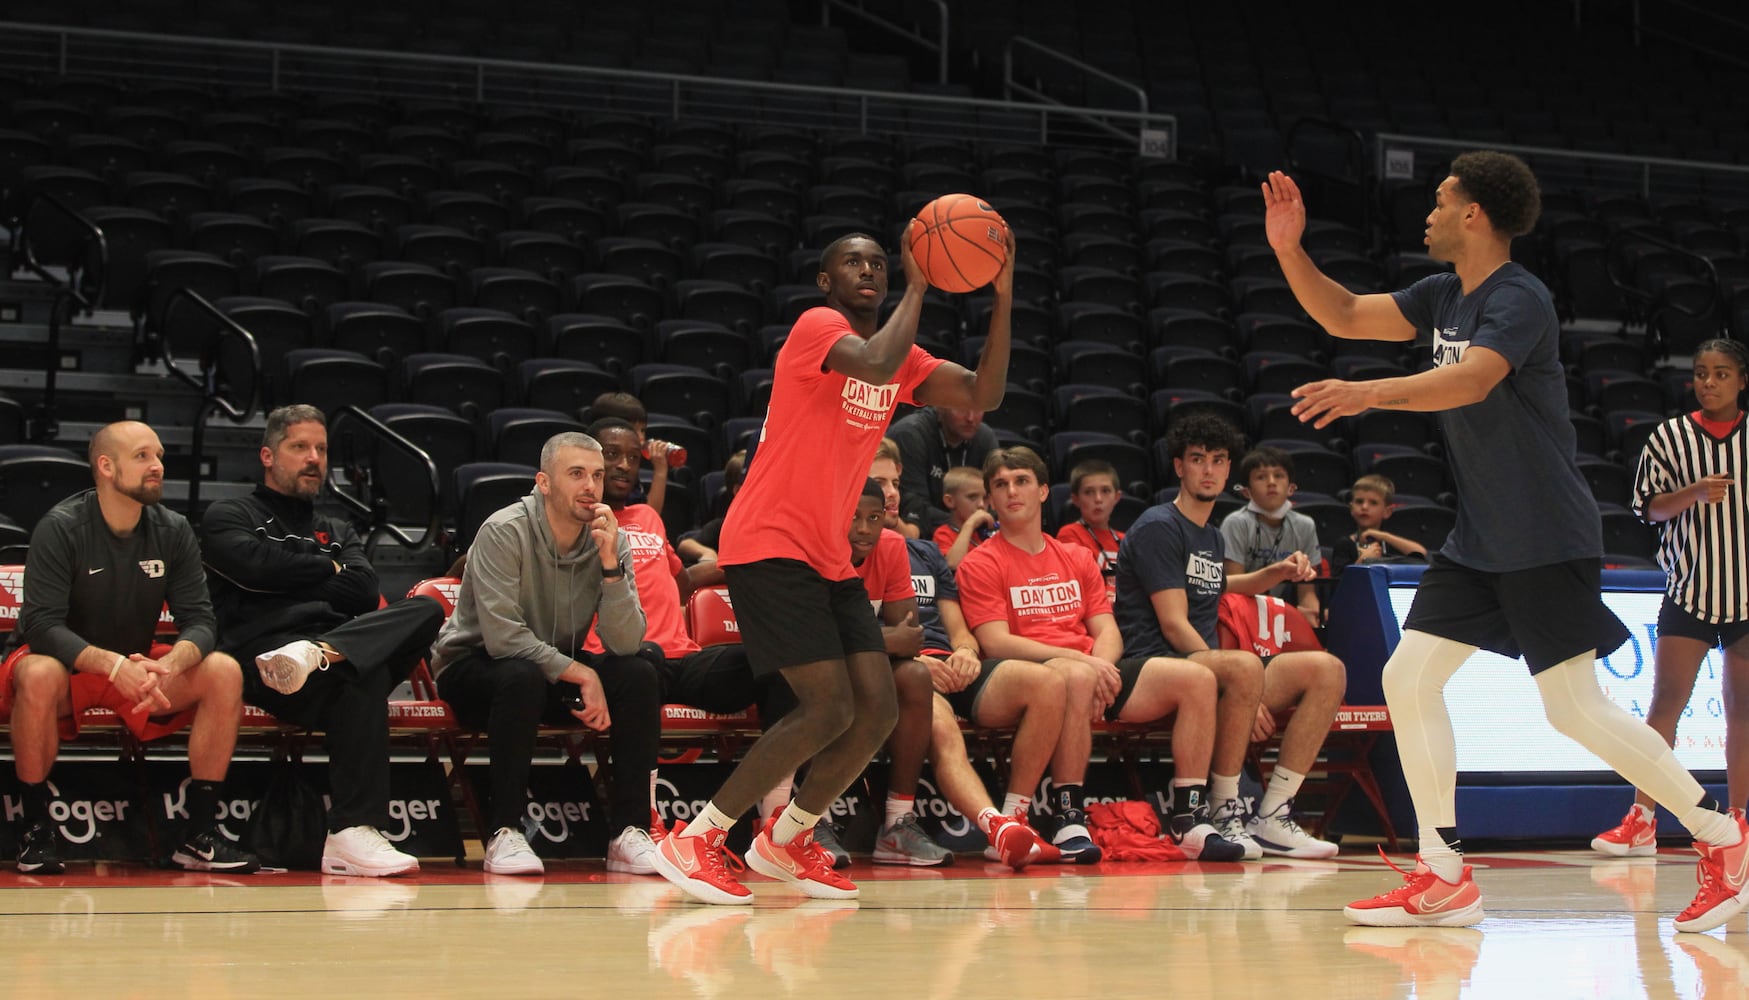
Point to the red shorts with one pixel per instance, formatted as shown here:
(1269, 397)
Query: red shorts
(90, 691)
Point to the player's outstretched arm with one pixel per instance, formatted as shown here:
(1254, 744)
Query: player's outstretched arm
(1338, 310)
(1447, 388)
(952, 385)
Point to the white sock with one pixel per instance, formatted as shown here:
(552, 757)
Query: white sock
(1438, 855)
(1014, 804)
(791, 822)
(1577, 706)
(709, 818)
(1283, 786)
(652, 797)
(778, 797)
(1223, 787)
(898, 807)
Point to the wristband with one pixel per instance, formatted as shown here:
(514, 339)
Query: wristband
(119, 660)
(613, 574)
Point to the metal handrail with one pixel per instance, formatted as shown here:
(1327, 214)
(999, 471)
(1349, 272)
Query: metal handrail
(45, 426)
(684, 91)
(92, 234)
(1383, 141)
(938, 47)
(207, 385)
(375, 508)
(1011, 85)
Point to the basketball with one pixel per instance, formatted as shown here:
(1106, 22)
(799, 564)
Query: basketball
(961, 244)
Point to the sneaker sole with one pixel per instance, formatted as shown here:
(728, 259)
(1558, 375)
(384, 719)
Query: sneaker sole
(53, 868)
(771, 869)
(283, 678)
(1616, 850)
(1396, 916)
(1718, 916)
(1308, 853)
(1213, 852)
(492, 869)
(628, 868)
(698, 889)
(188, 862)
(337, 866)
(1079, 856)
(897, 858)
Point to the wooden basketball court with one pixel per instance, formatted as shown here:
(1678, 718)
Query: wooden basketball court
(1561, 924)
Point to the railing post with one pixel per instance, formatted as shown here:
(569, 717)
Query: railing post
(62, 62)
(480, 83)
(941, 61)
(273, 72)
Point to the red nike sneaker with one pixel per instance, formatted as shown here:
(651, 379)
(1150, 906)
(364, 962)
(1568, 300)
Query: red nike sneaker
(1423, 900)
(1723, 873)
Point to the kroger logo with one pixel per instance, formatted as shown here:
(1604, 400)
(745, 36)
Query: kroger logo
(77, 818)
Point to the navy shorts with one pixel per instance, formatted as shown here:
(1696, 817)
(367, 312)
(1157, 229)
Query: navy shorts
(790, 615)
(1547, 614)
(1673, 620)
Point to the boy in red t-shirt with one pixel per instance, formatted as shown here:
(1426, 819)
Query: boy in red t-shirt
(802, 609)
(969, 522)
(1094, 492)
(1028, 596)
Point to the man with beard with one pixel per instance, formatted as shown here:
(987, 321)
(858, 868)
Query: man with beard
(101, 567)
(295, 594)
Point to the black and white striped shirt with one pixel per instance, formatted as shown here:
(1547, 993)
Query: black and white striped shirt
(1704, 549)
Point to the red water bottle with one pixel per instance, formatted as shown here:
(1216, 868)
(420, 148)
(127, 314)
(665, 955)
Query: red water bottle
(676, 455)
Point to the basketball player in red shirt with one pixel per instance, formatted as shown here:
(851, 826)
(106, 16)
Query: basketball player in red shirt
(785, 555)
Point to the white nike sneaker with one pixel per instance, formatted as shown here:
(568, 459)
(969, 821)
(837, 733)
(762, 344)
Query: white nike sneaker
(287, 668)
(1279, 834)
(632, 852)
(508, 853)
(364, 851)
(1229, 820)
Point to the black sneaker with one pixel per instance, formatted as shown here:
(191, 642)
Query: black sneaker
(207, 851)
(1199, 839)
(1072, 839)
(39, 850)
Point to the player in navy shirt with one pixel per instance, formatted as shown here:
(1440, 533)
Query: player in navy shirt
(1521, 571)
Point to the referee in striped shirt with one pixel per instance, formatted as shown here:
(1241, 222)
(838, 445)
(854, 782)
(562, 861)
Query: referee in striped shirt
(1691, 481)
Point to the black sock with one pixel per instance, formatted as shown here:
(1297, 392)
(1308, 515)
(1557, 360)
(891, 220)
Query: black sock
(1068, 797)
(1449, 835)
(1190, 806)
(35, 798)
(1708, 802)
(203, 806)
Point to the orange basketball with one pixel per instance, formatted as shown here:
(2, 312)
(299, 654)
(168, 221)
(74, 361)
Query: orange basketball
(961, 243)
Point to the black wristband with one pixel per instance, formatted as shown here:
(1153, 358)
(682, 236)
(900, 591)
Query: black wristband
(614, 573)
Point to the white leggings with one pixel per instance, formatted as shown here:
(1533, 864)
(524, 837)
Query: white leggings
(1414, 682)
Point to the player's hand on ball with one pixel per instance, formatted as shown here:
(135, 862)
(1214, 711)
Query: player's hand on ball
(913, 271)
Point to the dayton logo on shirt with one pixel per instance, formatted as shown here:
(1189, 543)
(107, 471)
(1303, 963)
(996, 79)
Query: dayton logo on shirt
(1447, 349)
(153, 568)
(863, 401)
(924, 585)
(1046, 598)
(646, 546)
(1206, 573)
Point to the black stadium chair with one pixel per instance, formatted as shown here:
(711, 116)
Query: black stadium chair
(328, 379)
(481, 490)
(449, 440)
(495, 337)
(562, 384)
(468, 386)
(518, 433)
(33, 478)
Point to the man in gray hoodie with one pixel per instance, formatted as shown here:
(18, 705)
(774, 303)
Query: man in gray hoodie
(539, 573)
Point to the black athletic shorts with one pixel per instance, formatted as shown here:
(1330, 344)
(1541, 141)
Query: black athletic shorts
(1130, 670)
(790, 615)
(1547, 614)
(965, 700)
(1673, 620)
